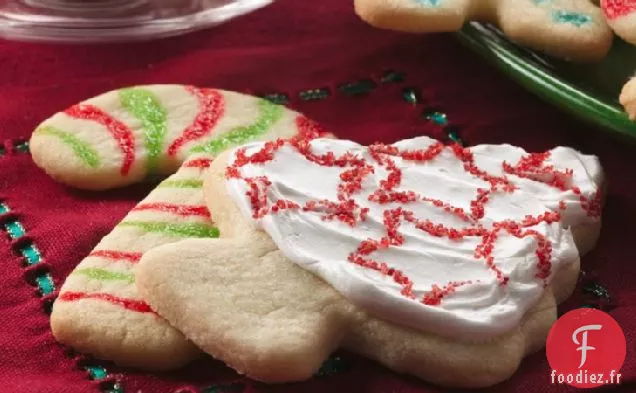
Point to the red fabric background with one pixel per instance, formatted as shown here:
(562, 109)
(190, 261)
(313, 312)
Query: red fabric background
(289, 47)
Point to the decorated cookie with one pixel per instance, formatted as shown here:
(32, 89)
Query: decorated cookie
(438, 261)
(621, 16)
(572, 29)
(119, 138)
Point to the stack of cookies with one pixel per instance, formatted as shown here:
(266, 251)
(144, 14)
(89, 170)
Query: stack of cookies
(272, 244)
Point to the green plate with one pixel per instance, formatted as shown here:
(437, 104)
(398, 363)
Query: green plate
(589, 92)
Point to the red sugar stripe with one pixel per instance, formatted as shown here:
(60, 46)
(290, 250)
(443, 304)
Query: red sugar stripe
(129, 304)
(182, 210)
(133, 257)
(121, 132)
(211, 109)
(198, 163)
(617, 8)
(309, 129)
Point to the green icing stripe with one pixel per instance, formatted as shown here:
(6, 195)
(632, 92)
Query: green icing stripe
(83, 150)
(145, 106)
(171, 229)
(106, 275)
(187, 183)
(269, 114)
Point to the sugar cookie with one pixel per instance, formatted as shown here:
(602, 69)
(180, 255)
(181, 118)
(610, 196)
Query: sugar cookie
(572, 29)
(116, 139)
(122, 136)
(438, 261)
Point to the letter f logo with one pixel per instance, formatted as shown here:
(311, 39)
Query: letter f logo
(583, 344)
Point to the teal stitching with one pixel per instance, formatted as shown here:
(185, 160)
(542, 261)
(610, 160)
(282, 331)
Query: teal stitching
(29, 251)
(16, 146)
(410, 95)
(14, 229)
(333, 365)
(596, 290)
(354, 88)
(391, 76)
(31, 254)
(357, 88)
(111, 387)
(45, 283)
(277, 98)
(315, 94)
(21, 147)
(437, 117)
(43, 279)
(225, 388)
(96, 372)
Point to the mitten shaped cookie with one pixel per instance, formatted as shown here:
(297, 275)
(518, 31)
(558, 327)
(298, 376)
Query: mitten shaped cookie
(119, 138)
(571, 29)
(439, 261)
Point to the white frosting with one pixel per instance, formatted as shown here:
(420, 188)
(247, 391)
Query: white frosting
(479, 310)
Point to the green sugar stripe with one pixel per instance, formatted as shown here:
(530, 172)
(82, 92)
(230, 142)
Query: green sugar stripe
(269, 114)
(106, 275)
(187, 183)
(145, 106)
(83, 150)
(171, 229)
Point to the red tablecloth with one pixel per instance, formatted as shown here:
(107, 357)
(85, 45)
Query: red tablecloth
(318, 55)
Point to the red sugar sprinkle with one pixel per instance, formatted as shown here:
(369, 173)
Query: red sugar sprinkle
(262, 156)
(211, 108)
(465, 155)
(120, 131)
(533, 167)
(477, 205)
(129, 304)
(133, 257)
(259, 187)
(614, 9)
(355, 169)
(435, 296)
(198, 163)
(284, 205)
(309, 129)
(181, 210)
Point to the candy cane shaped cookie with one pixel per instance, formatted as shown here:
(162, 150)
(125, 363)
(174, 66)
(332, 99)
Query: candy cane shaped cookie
(573, 29)
(119, 138)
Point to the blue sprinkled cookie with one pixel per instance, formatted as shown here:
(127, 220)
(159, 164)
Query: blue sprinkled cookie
(572, 29)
